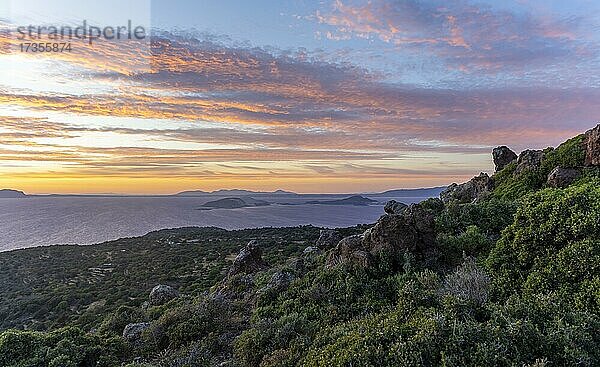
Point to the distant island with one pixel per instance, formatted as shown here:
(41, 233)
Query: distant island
(233, 203)
(246, 202)
(228, 192)
(11, 194)
(355, 200)
(419, 192)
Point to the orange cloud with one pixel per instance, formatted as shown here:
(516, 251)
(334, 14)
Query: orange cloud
(275, 118)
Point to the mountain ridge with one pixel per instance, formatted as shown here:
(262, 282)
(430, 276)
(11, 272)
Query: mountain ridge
(416, 192)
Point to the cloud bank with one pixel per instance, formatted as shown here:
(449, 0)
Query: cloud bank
(198, 106)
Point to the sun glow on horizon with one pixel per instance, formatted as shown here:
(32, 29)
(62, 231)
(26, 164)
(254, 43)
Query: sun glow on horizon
(334, 104)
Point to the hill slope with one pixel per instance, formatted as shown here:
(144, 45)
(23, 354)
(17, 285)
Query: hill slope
(502, 270)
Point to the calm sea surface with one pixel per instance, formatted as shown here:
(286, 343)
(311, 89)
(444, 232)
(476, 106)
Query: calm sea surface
(37, 221)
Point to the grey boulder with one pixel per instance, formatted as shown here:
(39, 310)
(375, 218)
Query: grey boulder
(529, 160)
(394, 207)
(280, 280)
(503, 156)
(592, 146)
(562, 177)
(162, 294)
(133, 332)
(469, 191)
(350, 250)
(328, 238)
(249, 260)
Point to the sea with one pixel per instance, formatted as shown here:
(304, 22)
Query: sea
(49, 220)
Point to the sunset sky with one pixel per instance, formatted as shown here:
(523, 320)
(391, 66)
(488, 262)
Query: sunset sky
(309, 96)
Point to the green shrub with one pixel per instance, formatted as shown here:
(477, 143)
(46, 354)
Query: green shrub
(116, 321)
(570, 154)
(61, 348)
(572, 273)
(545, 223)
(471, 242)
(511, 187)
(322, 297)
(491, 216)
(468, 282)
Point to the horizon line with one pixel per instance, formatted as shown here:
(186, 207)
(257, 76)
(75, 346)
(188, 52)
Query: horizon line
(216, 191)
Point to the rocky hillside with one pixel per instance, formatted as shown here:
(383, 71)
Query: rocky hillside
(503, 270)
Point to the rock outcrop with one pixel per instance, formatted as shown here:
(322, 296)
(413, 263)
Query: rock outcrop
(249, 260)
(423, 219)
(162, 294)
(412, 231)
(132, 333)
(529, 160)
(328, 238)
(350, 250)
(469, 191)
(394, 207)
(562, 177)
(592, 146)
(280, 280)
(503, 156)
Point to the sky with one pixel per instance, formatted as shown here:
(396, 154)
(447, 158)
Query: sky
(310, 96)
